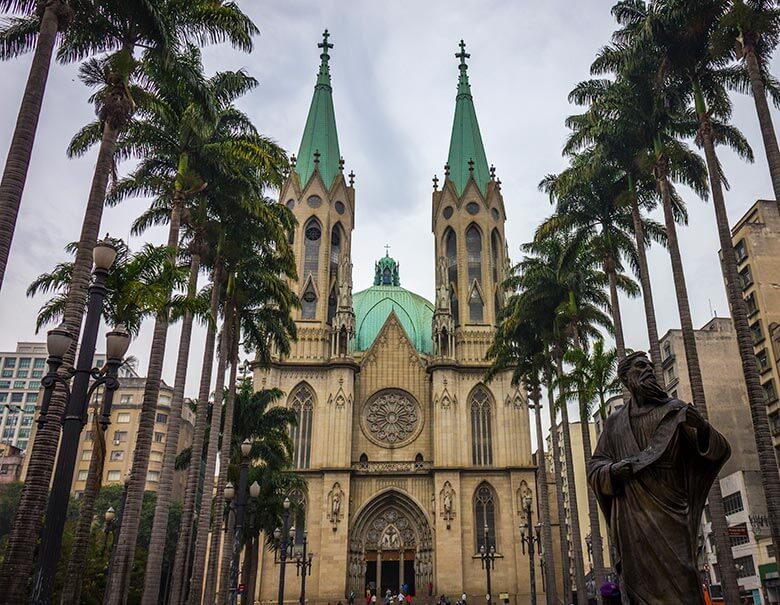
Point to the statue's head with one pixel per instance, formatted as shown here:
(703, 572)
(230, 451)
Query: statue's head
(636, 373)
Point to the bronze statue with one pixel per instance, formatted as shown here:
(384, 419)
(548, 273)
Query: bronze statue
(652, 470)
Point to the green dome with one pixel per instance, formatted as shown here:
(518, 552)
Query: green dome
(374, 305)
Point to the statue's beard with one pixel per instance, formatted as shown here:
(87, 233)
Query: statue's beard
(648, 389)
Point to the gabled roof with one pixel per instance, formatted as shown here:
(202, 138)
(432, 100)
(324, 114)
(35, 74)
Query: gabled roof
(320, 136)
(467, 153)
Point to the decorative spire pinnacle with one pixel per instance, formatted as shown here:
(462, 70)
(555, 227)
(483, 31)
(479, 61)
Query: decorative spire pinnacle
(320, 133)
(341, 164)
(386, 270)
(492, 172)
(435, 182)
(447, 169)
(471, 166)
(293, 160)
(463, 80)
(351, 178)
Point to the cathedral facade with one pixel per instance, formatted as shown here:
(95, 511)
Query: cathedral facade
(412, 461)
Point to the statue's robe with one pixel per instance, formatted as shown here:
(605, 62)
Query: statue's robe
(654, 516)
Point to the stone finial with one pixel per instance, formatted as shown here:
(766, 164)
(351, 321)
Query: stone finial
(492, 172)
(351, 178)
(293, 160)
(447, 169)
(498, 182)
(317, 157)
(341, 164)
(435, 183)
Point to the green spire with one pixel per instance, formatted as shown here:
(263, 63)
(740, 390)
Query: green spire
(319, 137)
(467, 154)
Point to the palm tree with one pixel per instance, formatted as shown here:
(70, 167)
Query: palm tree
(137, 284)
(750, 32)
(517, 344)
(86, 28)
(686, 60)
(593, 376)
(50, 23)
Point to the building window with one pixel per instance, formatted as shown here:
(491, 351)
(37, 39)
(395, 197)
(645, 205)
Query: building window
(153, 476)
(8, 373)
(23, 433)
(769, 391)
(303, 406)
(770, 551)
(123, 417)
(88, 435)
(86, 455)
(774, 424)
(36, 374)
(740, 249)
(34, 384)
(746, 277)
(5, 384)
(667, 350)
(671, 374)
(162, 418)
(155, 456)
(19, 384)
(740, 540)
(120, 437)
(159, 437)
(484, 515)
(39, 363)
(451, 251)
(752, 305)
(125, 399)
(83, 475)
(309, 302)
(476, 306)
(745, 566)
(117, 455)
(32, 397)
(22, 373)
(298, 506)
(10, 362)
(114, 476)
(474, 254)
(311, 249)
(757, 332)
(24, 362)
(3, 397)
(762, 357)
(481, 428)
(733, 503)
(335, 250)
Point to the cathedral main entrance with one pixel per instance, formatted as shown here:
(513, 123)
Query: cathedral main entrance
(391, 548)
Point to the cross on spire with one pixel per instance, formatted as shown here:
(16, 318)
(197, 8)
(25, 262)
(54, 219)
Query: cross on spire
(471, 165)
(317, 156)
(435, 182)
(462, 55)
(387, 249)
(324, 45)
(492, 172)
(341, 164)
(447, 169)
(351, 178)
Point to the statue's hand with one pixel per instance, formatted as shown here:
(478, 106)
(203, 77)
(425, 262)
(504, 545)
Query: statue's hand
(621, 470)
(694, 419)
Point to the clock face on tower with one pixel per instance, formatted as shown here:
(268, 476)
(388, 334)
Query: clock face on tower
(391, 418)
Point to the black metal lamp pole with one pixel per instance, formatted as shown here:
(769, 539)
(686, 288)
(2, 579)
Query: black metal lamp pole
(75, 417)
(303, 565)
(246, 448)
(282, 537)
(487, 554)
(116, 528)
(527, 537)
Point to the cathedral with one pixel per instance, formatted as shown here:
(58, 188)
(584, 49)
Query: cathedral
(413, 463)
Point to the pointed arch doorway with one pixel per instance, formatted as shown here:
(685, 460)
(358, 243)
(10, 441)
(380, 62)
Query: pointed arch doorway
(391, 546)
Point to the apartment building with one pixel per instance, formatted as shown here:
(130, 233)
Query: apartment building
(756, 238)
(729, 412)
(122, 434)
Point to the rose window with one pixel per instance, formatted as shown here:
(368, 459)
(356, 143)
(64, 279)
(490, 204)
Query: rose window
(392, 418)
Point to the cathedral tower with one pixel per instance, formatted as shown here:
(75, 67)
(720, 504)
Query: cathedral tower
(468, 226)
(323, 202)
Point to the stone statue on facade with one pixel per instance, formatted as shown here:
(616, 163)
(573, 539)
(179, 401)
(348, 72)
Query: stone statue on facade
(652, 470)
(442, 287)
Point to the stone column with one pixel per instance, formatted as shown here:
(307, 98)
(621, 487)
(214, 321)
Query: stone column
(378, 574)
(401, 567)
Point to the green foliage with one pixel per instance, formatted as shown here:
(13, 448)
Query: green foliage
(9, 498)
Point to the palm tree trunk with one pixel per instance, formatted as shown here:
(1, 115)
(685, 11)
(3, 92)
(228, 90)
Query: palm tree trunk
(184, 544)
(227, 441)
(617, 320)
(253, 553)
(647, 290)
(719, 522)
(55, 18)
(156, 550)
(71, 589)
(764, 118)
(596, 543)
(117, 588)
(556, 455)
(576, 534)
(756, 396)
(205, 512)
(551, 590)
(19, 555)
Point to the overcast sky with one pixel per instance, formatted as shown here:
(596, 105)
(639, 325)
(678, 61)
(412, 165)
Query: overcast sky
(394, 80)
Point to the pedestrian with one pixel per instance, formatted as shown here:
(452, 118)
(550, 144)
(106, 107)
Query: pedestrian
(373, 599)
(408, 598)
(463, 598)
(388, 597)
(351, 597)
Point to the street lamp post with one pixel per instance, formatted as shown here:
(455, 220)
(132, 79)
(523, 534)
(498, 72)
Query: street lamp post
(78, 395)
(246, 448)
(487, 555)
(303, 565)
(282, 537)
(527, 537)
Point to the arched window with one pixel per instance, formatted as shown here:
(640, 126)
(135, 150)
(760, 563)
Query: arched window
(474, 251)
(302, 404)
(451, 251)
(481, 428)
(309, 302)
(485, 515)
(312, 236)
(332, 302)
(298, 514)
(335, 249)
(476, 305)
(495, 255)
